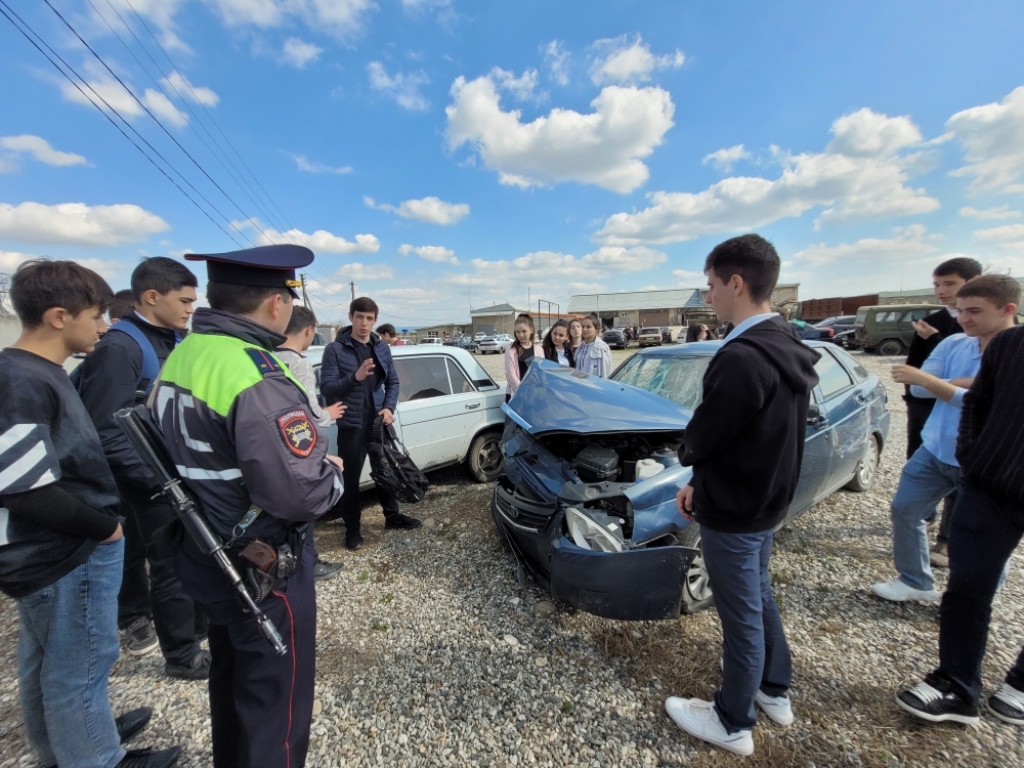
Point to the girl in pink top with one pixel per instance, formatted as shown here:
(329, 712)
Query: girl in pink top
(519, 355)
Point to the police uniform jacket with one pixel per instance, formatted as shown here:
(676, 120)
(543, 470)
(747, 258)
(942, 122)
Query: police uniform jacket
(338, 378)
(238, 427)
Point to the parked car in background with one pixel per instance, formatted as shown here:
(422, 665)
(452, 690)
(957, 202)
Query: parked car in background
(615, 338)
(479, 336)
(809, 332)
(432, 340)
(667, 335)
(887, 329)
(649, 337)
(588, 499)
(497, 344)
(449, 410)
(462, 342)
(842, 327)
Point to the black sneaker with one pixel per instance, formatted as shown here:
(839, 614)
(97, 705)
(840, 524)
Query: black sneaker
(325, 570)
(131, 723)
(353, 542)
(1008, 705)
(933, 705)
(150, 758)
(197, 668)
(140, 637)
(400, 521)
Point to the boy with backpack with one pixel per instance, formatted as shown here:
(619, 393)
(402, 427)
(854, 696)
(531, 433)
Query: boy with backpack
(118, 374)
(62, 563)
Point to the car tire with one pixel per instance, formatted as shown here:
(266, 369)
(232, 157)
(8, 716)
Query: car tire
(697, 595)
(891, 348)
(867, 468)
(485, 463)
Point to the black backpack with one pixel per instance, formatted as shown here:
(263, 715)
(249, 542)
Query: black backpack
(391, 467)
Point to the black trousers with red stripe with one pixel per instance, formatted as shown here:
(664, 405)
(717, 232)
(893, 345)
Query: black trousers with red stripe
(261, 704)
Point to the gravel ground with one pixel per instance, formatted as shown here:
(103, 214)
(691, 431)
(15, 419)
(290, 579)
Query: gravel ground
(431, 654)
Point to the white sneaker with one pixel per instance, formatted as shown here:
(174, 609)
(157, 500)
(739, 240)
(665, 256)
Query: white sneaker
(777, 708)
(699, 718)
(898, 592)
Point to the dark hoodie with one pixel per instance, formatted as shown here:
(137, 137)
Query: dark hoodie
(745, 441)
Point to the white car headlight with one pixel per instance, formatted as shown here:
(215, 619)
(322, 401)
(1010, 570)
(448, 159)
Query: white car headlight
(594, 530)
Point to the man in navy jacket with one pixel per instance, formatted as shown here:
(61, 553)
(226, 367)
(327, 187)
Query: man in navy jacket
(357, 370)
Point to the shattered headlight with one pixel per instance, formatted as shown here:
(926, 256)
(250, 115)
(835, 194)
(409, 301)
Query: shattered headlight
(594, 530)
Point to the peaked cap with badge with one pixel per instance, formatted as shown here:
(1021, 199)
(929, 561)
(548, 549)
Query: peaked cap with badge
(269, 266)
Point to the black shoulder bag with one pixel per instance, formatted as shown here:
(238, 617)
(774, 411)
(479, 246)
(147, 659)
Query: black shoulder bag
(391, 467)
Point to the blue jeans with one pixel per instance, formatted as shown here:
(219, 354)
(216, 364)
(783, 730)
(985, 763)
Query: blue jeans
(755, 651)
(66, 647)
(924, 483)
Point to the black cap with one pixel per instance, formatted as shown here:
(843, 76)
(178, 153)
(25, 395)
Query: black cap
(270, 266)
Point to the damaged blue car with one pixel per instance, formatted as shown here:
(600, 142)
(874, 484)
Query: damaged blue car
(587, 502)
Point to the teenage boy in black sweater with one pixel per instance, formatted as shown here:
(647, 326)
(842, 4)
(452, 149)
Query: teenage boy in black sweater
(112, 378)
(745, 443)
(987, 527)
(62, 554)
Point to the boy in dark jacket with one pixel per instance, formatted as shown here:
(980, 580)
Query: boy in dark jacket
(112, 378)
(357, 370)
(745, 443)
(62, 553)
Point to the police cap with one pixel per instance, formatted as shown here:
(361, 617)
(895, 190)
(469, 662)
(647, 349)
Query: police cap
(270, 266)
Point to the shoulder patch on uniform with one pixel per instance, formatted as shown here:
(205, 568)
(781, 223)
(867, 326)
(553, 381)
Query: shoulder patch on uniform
(298, 432)
(263, 361)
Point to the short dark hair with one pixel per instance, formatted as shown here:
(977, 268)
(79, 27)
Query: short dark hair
(302, 318)
(41, 284)
(239, 299)
(387, 328)
(162, 275)
(999, 289)
(121, 305)
(751, 257)
(364, 304)
(962, 266)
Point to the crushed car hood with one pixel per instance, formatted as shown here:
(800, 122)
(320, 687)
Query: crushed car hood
(552, 398)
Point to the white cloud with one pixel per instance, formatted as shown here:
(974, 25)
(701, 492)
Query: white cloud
(38, 148)
(310, 166)
(724, 159)
(403, 87)
(407, 295)
(320, 241)
(603, 147)
(341, 18)
(906, 244)
(298, 53)
(521, 88)
(617, 60)
(105, 268)
(861, 176)
(78, 223)
(180, 85)
(689, 278)
(556, 58)
(1002, 212)
(1007, 236)
(354, 270)
(993, 139)
(431, 210)
(114, 94)
(434, 253)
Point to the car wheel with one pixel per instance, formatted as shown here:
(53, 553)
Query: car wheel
(891, 347)
(697, 594)
(485, 462)
(867, 468)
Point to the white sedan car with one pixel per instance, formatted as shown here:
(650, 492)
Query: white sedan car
(498, 344)
(449, 410)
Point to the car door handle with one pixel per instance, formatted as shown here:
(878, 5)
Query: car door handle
(861, 398)
(472, 406)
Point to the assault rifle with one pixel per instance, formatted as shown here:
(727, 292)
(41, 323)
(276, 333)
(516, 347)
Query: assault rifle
(147, 440)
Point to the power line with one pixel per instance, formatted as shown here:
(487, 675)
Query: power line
(184, 101)
(107, 116)
(162, 127)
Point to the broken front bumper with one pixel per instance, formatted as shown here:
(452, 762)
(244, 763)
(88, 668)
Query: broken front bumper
(641, 584)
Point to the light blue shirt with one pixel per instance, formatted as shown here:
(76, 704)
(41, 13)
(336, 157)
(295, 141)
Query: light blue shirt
(747, 324)
(956, 357)
(594, 358)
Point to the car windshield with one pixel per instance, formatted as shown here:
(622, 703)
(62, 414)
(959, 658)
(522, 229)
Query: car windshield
(676, 378)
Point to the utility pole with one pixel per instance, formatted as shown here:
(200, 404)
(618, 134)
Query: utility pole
(305, 296)
(352, 287)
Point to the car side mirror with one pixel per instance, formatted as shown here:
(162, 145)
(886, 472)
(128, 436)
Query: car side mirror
(814, 417)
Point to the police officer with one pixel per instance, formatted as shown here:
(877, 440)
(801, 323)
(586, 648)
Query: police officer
(238, 427)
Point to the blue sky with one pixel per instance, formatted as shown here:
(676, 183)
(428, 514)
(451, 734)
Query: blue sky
(442, 153)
